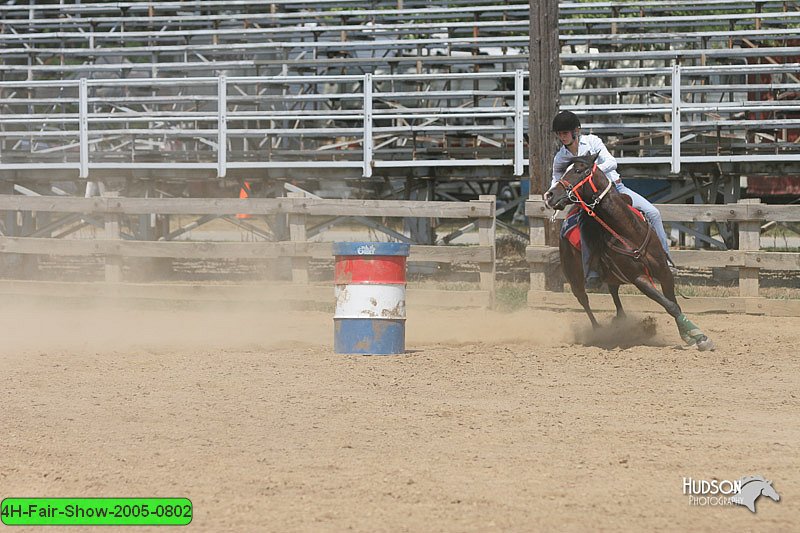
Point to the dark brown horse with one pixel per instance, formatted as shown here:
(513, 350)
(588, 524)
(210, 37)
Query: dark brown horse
(623, 242)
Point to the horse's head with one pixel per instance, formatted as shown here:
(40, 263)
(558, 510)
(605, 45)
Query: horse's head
(580, 181)
(769, 491)
(751, 488)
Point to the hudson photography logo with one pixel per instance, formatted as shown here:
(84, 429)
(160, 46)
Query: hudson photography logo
(723, 492)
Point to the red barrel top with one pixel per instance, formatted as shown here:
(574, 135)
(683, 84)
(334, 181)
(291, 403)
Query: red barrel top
(386, 269)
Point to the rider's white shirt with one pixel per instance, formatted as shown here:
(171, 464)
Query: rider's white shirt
(586, 144)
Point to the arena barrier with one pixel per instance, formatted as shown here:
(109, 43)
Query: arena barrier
(113, 244)
(749, 260)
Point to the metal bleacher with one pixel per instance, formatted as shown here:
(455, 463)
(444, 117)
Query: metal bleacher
(370, 90)
(736, 64)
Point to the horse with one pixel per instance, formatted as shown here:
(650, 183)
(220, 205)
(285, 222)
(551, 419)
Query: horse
(752, 488)
(623, 241)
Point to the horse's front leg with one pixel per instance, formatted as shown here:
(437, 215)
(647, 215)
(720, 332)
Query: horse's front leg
(690, 333)
(573, 270)
(580, 294)
(614, 291)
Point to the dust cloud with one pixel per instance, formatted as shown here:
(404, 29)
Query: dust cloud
(622, 333)
(38, 323)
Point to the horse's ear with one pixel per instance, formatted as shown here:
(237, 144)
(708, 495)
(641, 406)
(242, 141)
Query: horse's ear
(593, 158)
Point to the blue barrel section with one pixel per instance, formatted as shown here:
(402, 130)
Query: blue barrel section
(369, 336)
(370, 286)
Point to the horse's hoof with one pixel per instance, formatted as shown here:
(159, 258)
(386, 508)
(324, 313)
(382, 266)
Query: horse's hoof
(705, 344)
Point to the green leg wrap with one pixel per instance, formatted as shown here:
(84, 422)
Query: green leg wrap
(689, 332)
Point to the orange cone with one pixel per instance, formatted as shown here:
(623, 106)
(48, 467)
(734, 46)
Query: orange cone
(244, 192)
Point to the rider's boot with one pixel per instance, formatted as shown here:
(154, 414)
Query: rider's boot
(593, 280)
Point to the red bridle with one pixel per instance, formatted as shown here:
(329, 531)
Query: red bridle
(574, 189)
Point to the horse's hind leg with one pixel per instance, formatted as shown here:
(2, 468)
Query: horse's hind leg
(643, 284)
(668, 288)
(614, 291)
(690, 333)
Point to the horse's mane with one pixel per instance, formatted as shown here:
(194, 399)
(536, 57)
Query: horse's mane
(586, 159)
(748, 479)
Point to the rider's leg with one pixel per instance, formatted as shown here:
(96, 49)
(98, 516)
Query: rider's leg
(650, 212)
(592, 276)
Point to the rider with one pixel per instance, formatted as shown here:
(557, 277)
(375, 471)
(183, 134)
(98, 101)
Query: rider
(568, 128)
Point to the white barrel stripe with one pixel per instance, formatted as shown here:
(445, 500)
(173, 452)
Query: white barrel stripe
(387, 301)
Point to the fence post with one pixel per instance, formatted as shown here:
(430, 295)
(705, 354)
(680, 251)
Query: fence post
(749, 241)
(486, 237)
(113, 268)
(537, 232)
(297, 234)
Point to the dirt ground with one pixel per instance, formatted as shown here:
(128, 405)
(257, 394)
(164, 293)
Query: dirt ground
(489, 422)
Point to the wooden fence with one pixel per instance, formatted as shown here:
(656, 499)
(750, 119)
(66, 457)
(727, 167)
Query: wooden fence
(749, 259)
(298, 248)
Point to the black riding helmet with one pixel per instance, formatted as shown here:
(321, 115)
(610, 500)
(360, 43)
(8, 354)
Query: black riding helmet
(566, 121)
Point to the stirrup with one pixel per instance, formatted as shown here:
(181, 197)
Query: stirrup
(671, 266)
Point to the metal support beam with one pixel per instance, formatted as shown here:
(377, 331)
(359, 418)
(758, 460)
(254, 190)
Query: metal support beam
(367, 141)
(676, 119)
(83, 112)
(222, 126)
(519, 145)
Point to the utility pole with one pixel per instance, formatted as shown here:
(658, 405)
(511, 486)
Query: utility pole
(544, 84)
(545, 81)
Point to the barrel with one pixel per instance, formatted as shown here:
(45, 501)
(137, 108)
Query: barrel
(370, 286)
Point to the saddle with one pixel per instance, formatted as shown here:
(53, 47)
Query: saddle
(570, 230)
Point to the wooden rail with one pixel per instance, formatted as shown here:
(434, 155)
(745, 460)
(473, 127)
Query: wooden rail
(749, 259)
(543, 259)
(298, 248)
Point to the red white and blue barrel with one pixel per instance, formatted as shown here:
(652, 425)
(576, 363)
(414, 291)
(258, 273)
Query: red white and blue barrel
(370, 316)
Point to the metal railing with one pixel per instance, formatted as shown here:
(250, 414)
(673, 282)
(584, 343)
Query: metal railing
(364, 122)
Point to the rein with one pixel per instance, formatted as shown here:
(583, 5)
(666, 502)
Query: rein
(574, 195)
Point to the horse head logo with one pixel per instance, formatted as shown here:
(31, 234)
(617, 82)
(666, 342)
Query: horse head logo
(752, 488)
